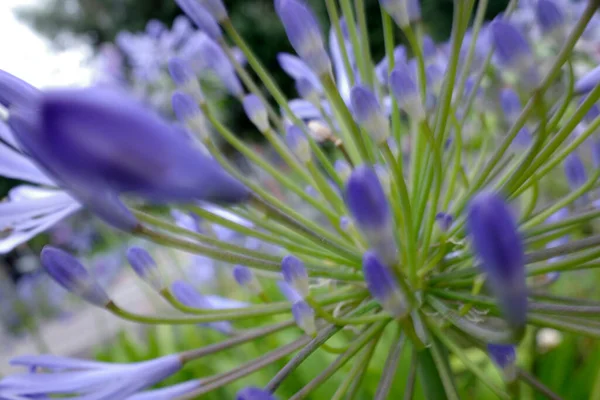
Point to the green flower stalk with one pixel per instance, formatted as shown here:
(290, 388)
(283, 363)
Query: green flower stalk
(425, 233)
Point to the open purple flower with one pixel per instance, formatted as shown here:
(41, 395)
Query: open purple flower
(63, 376)
(99, 144)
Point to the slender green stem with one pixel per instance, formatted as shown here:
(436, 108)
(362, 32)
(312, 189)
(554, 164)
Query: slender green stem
(316, 343)
(365, 52)
(389, 369)
(471, 366)
(351, 133)
(249, 336)
(334, 19)
(358, 344)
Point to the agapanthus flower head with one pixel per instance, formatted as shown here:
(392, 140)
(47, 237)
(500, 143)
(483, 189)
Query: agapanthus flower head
(498, 245)
(145, 267)
(396, 192)
(254, 393)
(67, 271)
(304, 34)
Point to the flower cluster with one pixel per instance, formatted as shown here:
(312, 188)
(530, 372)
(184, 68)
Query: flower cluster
(457, 192)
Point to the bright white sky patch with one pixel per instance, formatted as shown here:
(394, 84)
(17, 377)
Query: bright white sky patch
(27, 55)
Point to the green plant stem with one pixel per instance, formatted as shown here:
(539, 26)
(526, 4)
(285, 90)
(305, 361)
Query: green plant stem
(359, 343)
(220, 315)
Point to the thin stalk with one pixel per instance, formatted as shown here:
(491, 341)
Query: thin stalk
(389, 370)
(354, 348)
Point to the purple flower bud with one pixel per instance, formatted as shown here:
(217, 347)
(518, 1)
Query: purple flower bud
(343, 169)
(368, 113)
(583, 85)
(383, 286)
(155, 28)
(404, 88)
(304, 34)
(499, 247)
(127, 149)
(549, 15)
(304, 316)
(294, 274)
(345, 223)
(187, 295)
(510, 104)
(256, 112)
(16, 92)
(402, 11)
(504, 356)
(201, 17)
(208, 54)
(253, 393)
(429, 48)
(435, 77)
(444, 221)
(298, 143)
(145, 267)
(216, 8)
(366, 199)
(382, 67)
(184, 78)
(307, 90)
(575, 171)
(289, 292)
(245, 278)
(511, 46)
(185, 108)
(68, 272)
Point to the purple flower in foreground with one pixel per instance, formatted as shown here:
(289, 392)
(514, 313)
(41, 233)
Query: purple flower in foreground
(88, 379)
(294, 273)
(127, 149)
(498, 245)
